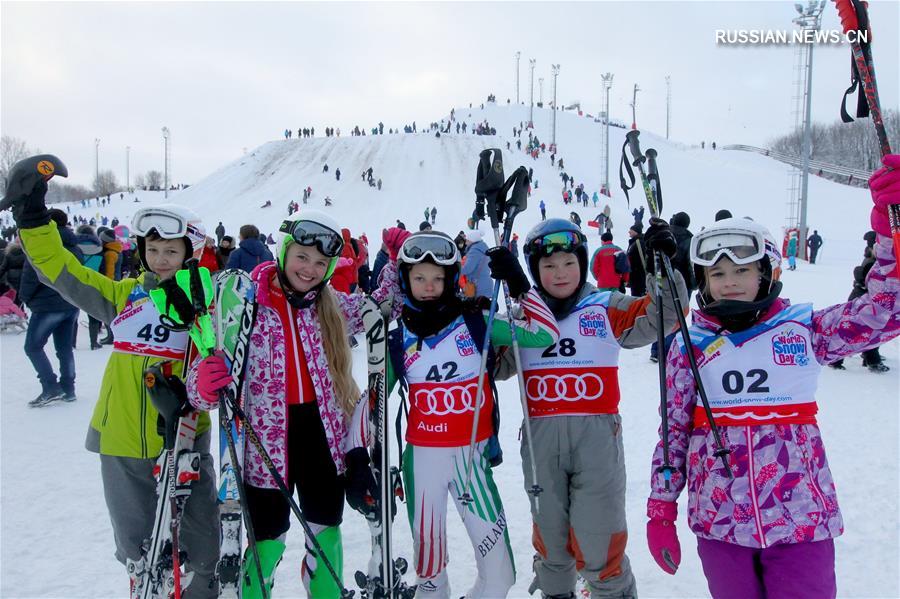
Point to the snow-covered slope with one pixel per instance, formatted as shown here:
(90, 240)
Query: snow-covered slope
(56, 538)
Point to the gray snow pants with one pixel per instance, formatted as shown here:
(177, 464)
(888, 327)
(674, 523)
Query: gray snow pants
(130, 492)
(581, 526)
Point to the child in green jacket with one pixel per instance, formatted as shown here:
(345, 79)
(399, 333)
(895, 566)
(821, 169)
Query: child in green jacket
(123, 429)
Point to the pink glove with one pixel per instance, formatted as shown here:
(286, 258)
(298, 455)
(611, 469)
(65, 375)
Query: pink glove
(212, 377)
(393, 238)
(661, 536)
(884, 185)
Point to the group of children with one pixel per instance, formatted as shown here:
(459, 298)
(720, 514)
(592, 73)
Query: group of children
(766, 528)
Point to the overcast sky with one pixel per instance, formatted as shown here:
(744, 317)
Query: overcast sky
(225, 76)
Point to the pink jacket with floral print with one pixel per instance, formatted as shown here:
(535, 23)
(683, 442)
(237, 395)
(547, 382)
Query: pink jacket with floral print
(782, 490)
(265, 379)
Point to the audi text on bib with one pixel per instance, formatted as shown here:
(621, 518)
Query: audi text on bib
(764, 375)
(578, 375)
(443, 388)
(137, 330)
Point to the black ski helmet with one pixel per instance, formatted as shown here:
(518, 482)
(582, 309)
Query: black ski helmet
(533, 252)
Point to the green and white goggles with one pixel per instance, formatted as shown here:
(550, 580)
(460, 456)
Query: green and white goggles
(741, 246)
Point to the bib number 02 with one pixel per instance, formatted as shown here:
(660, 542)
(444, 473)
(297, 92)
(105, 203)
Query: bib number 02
(733, 381)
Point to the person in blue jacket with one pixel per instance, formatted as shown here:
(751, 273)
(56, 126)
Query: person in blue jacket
(51, 315)
(251, 252)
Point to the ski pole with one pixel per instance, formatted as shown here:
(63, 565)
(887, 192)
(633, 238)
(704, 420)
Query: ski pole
(489, 184)
(855, 17)
(514, 206)
(662, 261)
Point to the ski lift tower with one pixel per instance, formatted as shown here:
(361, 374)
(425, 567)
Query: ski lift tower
(607, 79)
(165, 132)
(809, 19)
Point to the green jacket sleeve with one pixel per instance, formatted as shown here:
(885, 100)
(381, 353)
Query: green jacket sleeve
(91, 291)
(537, 328)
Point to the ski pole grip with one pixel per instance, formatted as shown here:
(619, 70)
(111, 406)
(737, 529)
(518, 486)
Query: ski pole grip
(847, 13)
(632, 139)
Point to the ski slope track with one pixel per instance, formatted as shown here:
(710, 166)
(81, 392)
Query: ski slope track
(56, 540)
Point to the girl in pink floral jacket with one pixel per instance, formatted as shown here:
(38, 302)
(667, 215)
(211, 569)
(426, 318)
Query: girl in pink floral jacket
(767, 530)
(300, 397)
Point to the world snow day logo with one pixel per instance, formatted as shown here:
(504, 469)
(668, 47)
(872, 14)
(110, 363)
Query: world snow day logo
(592, 324)
(789, 349)
(465, 344)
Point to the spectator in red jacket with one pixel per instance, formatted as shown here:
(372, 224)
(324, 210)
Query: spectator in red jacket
(345, 276)
(609, 265)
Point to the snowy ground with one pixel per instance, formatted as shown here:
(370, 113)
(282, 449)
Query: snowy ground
(55, 537)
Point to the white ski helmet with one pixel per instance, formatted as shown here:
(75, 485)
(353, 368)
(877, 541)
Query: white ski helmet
(311, 228)
(169, 221)
(743, 241)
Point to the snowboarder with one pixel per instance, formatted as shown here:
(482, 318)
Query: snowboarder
(436, 352)
(311, 415)
(122, 429)
(777, 455)
(575, 424)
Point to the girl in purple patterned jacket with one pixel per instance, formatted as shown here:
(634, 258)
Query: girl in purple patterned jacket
(300, 396)
(769, 530)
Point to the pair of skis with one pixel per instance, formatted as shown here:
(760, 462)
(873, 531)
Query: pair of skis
(381, 581)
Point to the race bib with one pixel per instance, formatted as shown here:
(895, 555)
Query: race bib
(579, 373)
(137, 330)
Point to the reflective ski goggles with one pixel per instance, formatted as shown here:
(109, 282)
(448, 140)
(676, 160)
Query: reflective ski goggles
(418, 247)
(561, 241)
(309, 233)
(167, 223)
(741, 247)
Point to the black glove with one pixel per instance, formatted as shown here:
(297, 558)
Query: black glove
(178, 299)
(504, 266)
(26, 186)
(30, 211)
(361, 487)
(169, 396)
(658, 237)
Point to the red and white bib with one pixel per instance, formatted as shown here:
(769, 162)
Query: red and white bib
(578, 375)
(767, 374)
(137, 330)
(443, 390)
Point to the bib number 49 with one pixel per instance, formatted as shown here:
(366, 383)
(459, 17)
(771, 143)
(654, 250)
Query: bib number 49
(148, 333)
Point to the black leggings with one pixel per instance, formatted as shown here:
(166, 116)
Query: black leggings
(311, 471)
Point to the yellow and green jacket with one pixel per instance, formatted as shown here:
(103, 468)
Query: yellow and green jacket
(124, 419)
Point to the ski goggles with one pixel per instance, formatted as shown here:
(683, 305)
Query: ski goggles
(167, 223)
(308, 233)
(740, 246)
(418, 247)
(561, 241)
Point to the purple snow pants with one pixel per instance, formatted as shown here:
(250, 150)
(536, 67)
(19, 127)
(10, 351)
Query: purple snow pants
(793, 571)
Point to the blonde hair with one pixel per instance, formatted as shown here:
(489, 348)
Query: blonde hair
(337, 351)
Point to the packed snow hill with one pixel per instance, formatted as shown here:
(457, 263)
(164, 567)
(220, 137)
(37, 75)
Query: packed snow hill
(56, 536)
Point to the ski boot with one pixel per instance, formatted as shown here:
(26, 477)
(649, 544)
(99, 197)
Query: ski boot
(877, 367)
(270, 553)
(318, 580)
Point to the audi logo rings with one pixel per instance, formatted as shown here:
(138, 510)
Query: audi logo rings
(441, 401)
(564, 387)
